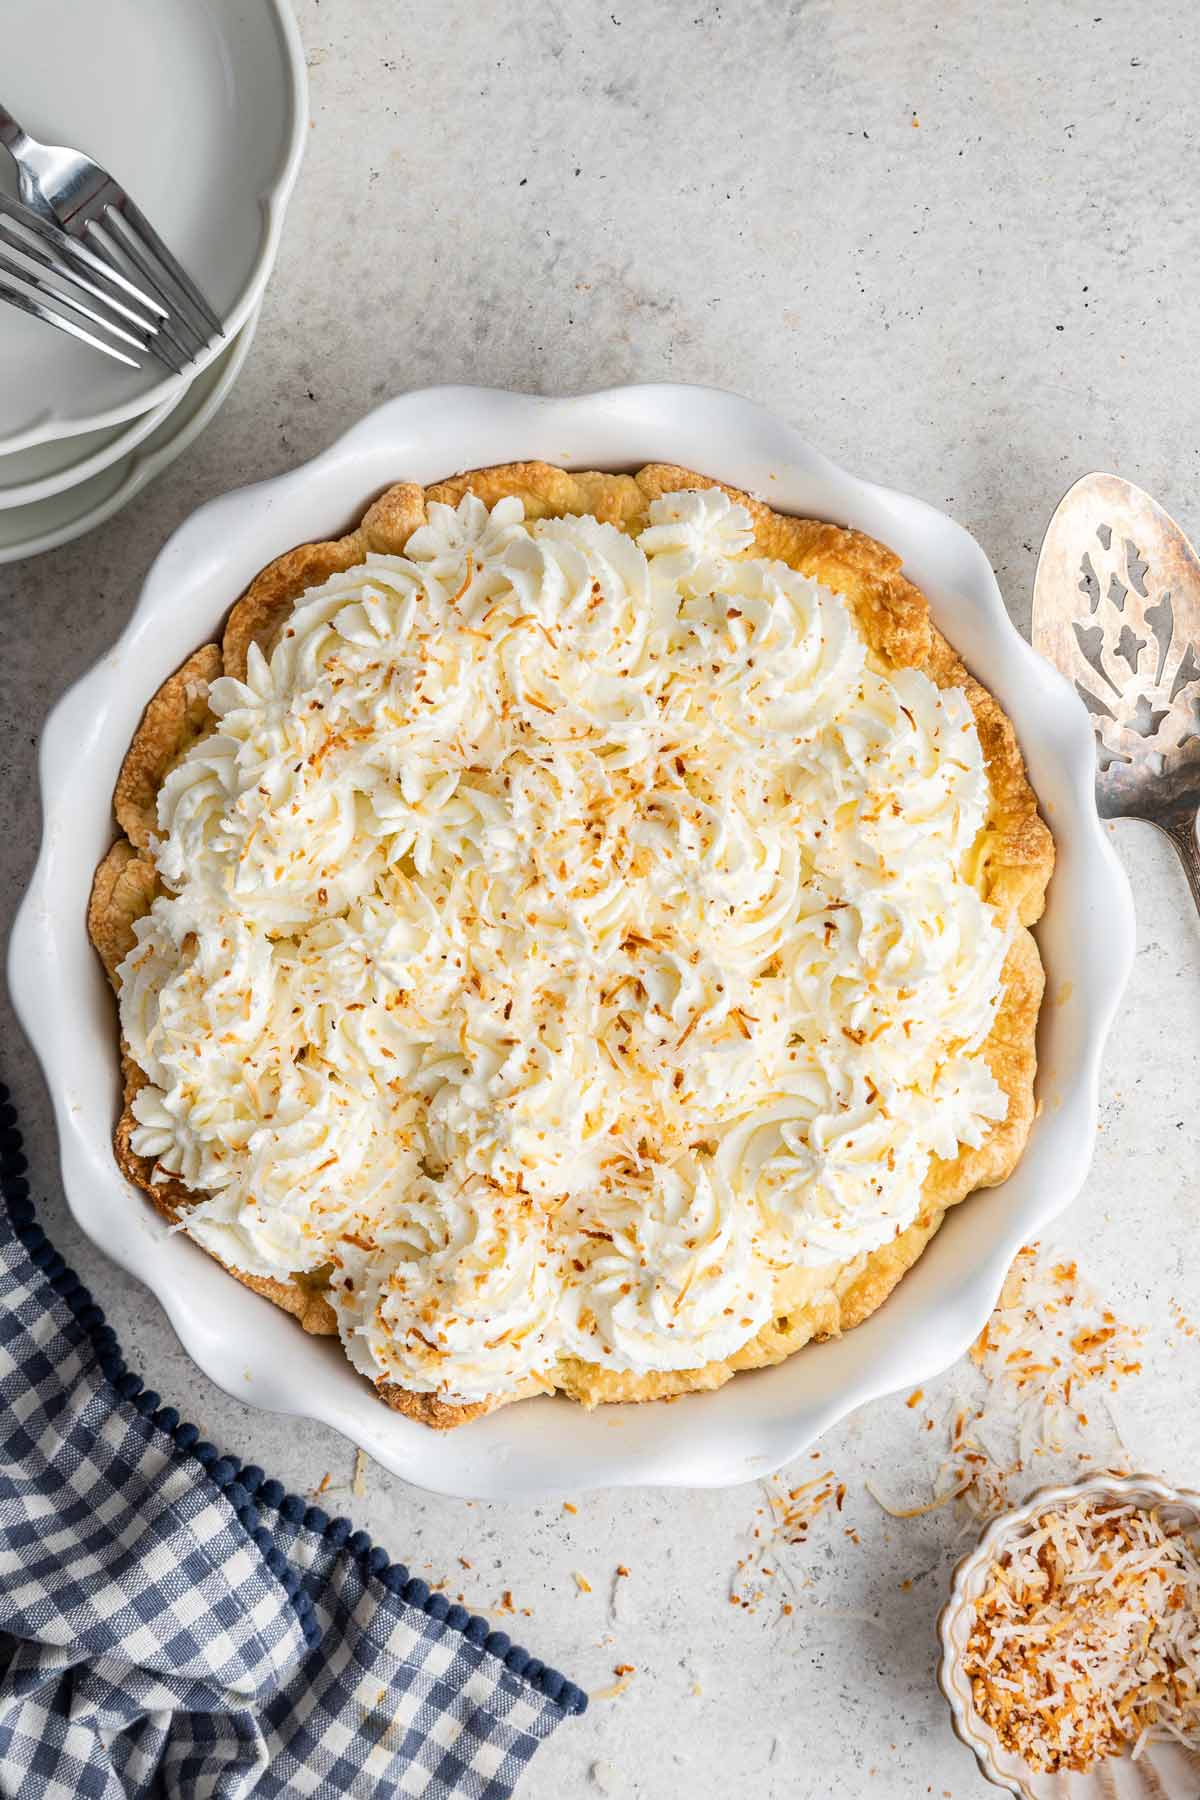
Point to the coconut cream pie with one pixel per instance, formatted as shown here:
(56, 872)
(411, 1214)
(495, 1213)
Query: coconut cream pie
(572, 934)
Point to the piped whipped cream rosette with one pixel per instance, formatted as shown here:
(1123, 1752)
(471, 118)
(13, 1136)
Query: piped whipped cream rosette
(562, 933)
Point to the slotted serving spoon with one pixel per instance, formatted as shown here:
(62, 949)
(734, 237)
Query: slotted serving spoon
(1116, 607)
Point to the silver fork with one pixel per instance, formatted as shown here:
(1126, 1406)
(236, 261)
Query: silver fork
(84, 200)
(40, 263)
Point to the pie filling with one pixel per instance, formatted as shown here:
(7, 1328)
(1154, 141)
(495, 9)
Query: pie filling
(564, 934)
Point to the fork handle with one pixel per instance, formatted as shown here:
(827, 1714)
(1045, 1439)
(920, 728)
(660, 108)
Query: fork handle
(14, 137)
(1182, 833)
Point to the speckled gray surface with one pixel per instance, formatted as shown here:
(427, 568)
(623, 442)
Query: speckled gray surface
(955, 244)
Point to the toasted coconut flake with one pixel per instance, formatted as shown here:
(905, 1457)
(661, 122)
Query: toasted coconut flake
(913, 1512)
(614, 1691)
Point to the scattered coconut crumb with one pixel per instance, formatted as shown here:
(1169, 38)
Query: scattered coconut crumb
(621, 1608)
(358, 1486)
(604, 1776)
(613, 1691)
(795, 1509)
(787, 1517)
(969, 1478)
(1050, 1339)
(1182, 1323)
(1051, 1333)
(1086, 1640)
(911, 1512)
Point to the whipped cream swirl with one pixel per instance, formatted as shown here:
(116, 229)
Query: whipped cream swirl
(563, 934)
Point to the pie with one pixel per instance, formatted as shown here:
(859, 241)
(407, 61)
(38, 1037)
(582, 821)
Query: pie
(572, 933)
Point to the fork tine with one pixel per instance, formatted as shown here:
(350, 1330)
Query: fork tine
(34, 251)
(71, 247)
(15, 297)
(136, 219)
(166, 347)
(13, 263)
(179, 355)
(119, 242)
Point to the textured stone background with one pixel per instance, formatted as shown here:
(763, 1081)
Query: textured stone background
(955, 243)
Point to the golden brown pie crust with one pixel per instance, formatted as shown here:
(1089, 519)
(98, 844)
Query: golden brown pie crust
(1014, 856)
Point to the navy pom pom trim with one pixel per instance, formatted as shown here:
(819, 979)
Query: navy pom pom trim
(247, 1488)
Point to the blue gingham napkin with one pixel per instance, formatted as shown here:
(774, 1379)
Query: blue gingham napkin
(173, 1624)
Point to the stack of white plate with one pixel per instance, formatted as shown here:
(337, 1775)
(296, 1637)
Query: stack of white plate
(199, 107)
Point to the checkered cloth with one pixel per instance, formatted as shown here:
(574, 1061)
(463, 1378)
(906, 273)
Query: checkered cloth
(173, 1624)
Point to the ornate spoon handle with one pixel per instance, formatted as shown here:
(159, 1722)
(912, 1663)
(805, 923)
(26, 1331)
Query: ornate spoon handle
(1182, 833)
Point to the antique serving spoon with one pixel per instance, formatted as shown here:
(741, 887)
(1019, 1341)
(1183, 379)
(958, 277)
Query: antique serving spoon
(1116, 607)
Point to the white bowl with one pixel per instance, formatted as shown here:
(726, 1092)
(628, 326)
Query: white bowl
(761, 1420)
(1163, 1771)
(200, 107)
(46, 524)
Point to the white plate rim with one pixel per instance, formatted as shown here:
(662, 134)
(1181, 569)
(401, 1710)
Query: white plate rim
(148, 462)
(273, 205)
(538, 1450)
(122, 443)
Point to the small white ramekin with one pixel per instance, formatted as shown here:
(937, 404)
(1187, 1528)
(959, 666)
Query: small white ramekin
(1163, 1771)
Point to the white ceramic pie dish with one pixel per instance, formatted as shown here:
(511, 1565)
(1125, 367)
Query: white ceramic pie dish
(760, 1420)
